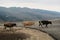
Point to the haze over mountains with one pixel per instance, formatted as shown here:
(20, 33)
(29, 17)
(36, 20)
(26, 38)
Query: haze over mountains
(20, 14)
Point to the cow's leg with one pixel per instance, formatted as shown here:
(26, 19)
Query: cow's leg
(5, 27)
(46, 26)
(40, 25)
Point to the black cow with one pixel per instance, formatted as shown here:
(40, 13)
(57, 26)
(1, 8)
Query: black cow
(44, 22)
(9, 25)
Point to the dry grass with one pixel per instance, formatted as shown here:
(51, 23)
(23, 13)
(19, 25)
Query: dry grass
(23, 33)
(36, 35)
(10, 35)
(13, 36)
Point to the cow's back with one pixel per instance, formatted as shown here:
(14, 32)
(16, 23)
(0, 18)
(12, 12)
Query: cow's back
(9, 24)
(28, 23)
(46, 22)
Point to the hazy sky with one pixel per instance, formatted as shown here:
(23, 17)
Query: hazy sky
(38, 4)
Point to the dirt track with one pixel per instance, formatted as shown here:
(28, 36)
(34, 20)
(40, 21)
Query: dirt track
(53, 30)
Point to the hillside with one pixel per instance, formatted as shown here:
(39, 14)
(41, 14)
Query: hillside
(20, 33)
(19, 14)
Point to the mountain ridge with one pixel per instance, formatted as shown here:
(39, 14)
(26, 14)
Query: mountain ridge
(19, 14)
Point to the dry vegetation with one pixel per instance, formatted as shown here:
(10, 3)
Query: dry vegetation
(20, 33)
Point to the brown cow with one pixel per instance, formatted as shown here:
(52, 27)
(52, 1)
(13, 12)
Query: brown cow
(28, 23)
(9, 25)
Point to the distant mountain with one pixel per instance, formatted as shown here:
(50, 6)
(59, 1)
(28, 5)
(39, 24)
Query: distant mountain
(19, 14)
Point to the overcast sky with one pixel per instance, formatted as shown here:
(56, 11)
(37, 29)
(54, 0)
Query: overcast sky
(53, 5)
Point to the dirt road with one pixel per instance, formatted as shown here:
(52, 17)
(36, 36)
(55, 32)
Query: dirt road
(53, 30)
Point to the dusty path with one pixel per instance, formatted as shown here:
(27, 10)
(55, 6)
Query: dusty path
(34, 34)
(53, 30)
